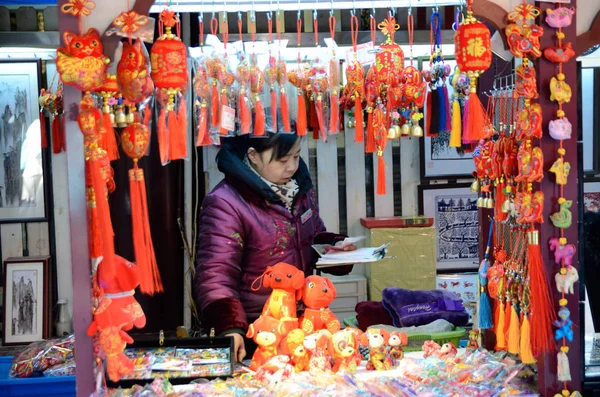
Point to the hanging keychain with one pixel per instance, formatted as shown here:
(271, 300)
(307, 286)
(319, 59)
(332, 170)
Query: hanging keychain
(354, 90)
(334, 81)
(242, 76)
(282, 80)
(298, 79)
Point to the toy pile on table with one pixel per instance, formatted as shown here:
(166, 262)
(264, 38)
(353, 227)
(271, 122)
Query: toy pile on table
(52, 357)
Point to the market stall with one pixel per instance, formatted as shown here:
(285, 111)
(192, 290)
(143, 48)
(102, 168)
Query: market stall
(371, 89)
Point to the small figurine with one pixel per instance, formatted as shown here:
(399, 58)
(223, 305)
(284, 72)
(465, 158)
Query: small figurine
(563, 372)
(560, 129)
(563, 325)
(396, 341)
(560, 91)
(473, 344)
(317, 295)
(562, 251)
(526, 82)
(379, 356)
(293, 346)
(561, 169)
(431, 348)
(560, 54)
(563, 218)
(529, 122)
(320, 349)
(560, 17)
(345, 346)
(266, 332)
(565, 279)
(524, 40)
(275, 370)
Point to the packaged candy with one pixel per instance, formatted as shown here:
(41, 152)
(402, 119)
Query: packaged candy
(39, 356)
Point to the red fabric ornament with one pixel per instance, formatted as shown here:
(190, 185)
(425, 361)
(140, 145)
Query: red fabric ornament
(108, 140)
(82, 63)
(168, 59)
(133, 76)
(474, 56)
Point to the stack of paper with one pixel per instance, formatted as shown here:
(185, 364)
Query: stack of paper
(360, 255)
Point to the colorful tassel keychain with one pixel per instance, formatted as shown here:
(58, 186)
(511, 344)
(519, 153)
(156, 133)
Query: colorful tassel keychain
(270, 73)
(298, 79)
(52, 103)
(371, 91)
(202, 91)
(354, 91)
(485, 309)
(213, 67)
(257, 82)
(334, 83)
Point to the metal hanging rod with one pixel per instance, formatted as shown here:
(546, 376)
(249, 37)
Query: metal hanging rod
(294, 5)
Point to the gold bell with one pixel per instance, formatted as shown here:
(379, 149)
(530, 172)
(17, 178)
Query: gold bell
(479, 202)
(417, 131)
(105, 109)
(394, 132)
(405, 130)
(112, 119)
(350, 123)
(120, 118)
(475, 186)
(129, 118)
(489, 203)
(506, 206)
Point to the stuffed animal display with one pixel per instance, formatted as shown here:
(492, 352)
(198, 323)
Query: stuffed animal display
(345, 347)
(396, 341)
(317, 295)
(267, 332)
(379, 357)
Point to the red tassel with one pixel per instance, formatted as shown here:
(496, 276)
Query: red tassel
(285, 111)
(370, 145)
(147, 116)
(214, 106)
(542, 307)
(150, 280)
(428, 107)
(381, 175)
(321, 118)
(359, 130)
(476, 120)
(334, 118)
(103, 224)
(245, 114)
(163, 142)
(274, 110)
(43, 132)
(203, 127)
(314, 121)
(173, 136)
(109, 140)
(259, 118)
(224, 102)
(301, 117)
(58, 142)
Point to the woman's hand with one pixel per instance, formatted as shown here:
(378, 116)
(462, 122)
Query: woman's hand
(239, 348)
(350, 247)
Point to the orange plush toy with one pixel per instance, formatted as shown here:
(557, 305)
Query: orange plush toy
(293, 346)
(119, 307)
(345, 347)
(379, 357)
(267, 332)
(396, 341)
(287, 282)
(317, 295)
(112, 340)
(320, 349)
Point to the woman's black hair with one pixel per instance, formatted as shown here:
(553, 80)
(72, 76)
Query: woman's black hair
(280, 143)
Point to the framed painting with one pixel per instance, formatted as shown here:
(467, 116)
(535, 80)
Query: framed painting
(455, 218)
(26, 300)
(591, 196)
(22, 189)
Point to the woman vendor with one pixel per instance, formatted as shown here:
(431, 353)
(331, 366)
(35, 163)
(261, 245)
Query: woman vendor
(263, 212)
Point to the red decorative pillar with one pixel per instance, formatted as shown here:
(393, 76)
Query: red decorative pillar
(548, 383)
(80, 259)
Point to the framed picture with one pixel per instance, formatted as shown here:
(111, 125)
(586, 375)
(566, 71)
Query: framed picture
(591, 196)
(26, 300)
(455, 218)
(22, 190)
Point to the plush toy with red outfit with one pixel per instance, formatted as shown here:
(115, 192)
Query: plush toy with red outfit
(345, 346)
(112, 341)
(379, 356)
(275, 370)
(267, 333)
(293, 346)
(317, 295)
(287, 282)
(320, 349)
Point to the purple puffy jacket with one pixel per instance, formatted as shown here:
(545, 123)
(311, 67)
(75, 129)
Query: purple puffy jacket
(242, 229)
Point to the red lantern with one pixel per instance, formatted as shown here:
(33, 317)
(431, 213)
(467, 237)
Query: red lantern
(473, 52)
(168, 60)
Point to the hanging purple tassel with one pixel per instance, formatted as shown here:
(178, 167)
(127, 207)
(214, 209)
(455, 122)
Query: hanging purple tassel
(448, 111)
(441, 108)
(434, 123)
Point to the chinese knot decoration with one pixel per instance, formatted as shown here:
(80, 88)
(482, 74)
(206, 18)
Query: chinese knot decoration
(473, 55)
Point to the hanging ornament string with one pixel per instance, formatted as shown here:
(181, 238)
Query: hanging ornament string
(270, 26)
(201, 30)
(334, 80)
(78, 8)
(214, 25)
(240, 25)
(299, 34)
(373, 27)
(316, 28)
(225, 32)
(410, 24)
(253, 28)
(354, 32)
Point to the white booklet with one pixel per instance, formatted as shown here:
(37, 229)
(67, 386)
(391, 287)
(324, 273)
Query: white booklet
(361, 255)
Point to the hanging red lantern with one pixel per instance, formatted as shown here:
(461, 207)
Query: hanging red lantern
(473, 52)
(168, 59)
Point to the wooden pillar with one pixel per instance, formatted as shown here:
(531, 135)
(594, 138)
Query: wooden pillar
(80, 260)
(548, 383)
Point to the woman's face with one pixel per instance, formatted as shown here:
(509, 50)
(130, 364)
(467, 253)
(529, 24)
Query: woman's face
(276, 171)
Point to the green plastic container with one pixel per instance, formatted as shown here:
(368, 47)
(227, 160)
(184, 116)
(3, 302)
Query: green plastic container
(415, 341)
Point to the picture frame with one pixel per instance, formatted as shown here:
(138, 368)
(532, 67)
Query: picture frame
(457, 248)
(591, 196)
(23, 196)
(438, 159)
(27, 291)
